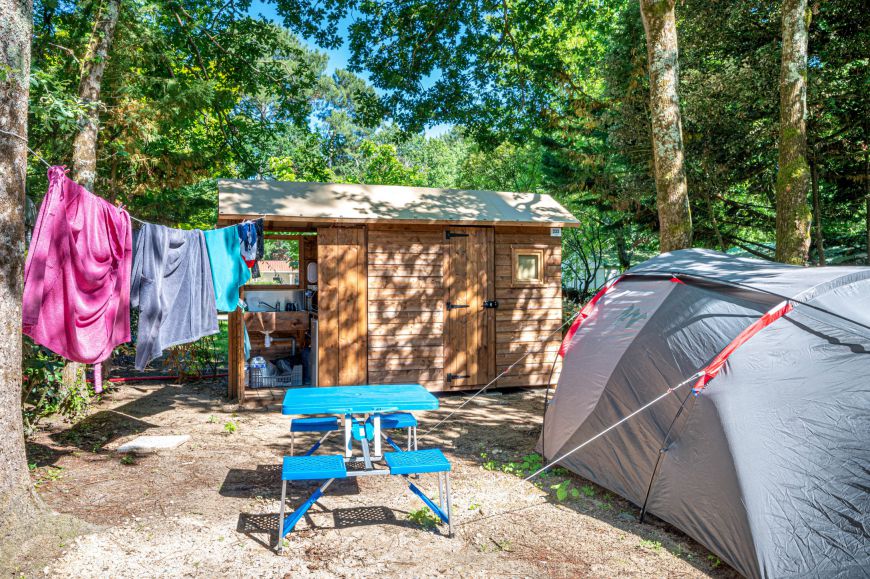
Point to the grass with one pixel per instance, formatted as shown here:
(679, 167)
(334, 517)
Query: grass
(530, 463)
(46, 474)
(423, 517)
(651, 545)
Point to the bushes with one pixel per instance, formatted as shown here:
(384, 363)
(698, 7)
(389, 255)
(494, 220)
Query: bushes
(43, 392)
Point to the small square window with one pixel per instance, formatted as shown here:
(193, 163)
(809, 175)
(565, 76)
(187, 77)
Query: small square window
(527, 267)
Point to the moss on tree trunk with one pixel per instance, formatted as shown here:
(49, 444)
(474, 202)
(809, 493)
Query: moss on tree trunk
(84, 159)
(793, 180)
(30, 534)
(672, 197)
(17, 498)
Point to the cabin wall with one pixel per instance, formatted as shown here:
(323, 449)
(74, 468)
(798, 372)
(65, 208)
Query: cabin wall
(527, 316)
(407, 297)
(342, 321)
(406, 305)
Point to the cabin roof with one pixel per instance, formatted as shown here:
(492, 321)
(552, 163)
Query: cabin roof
(313, 204)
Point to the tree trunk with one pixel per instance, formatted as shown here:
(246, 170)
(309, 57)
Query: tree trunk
(622, 249)
(93, 65)
(793, 215)
(672, 198)
(18, 501)
(867, 201)
(817, 211)
(84, 159)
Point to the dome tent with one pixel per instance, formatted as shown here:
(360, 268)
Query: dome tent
(766, 462)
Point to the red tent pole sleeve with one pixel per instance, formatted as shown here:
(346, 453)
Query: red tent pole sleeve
(585, 313)
(715, 366)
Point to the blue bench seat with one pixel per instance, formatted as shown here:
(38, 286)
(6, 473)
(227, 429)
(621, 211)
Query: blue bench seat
(398, 420)
(325, 424)
(316, 424)
(417, 461)
(313, 467)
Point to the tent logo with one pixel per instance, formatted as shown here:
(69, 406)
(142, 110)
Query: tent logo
(631, 315)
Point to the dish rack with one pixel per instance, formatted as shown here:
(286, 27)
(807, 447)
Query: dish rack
(257, 380)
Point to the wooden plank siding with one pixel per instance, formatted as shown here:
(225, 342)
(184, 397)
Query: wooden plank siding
(469, 339)
(527, 316)
(406, 306)
(342, 314)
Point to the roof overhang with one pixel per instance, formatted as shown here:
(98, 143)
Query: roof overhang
(288, 205)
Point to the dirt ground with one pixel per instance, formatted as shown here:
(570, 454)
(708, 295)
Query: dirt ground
(208, 508)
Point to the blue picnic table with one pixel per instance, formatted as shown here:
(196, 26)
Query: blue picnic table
(363, 399)
(361, 409)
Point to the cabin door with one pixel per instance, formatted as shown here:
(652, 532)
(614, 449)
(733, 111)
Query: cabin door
(469, 280)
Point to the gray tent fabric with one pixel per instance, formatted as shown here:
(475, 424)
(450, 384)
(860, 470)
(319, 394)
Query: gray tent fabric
(769, 465)
(172, 287)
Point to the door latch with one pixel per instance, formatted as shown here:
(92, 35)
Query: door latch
(490, 304)
(451, 377)
(450, 234)
(455, 306)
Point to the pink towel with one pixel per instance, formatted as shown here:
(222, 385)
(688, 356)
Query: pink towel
(77, 274)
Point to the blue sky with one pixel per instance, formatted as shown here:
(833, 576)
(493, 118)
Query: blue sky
(338, 58)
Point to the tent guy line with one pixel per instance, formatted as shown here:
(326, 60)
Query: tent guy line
(663, 395)
(505, 371)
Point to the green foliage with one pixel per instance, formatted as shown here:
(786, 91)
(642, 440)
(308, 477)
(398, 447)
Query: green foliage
(424, 517)
(43, 392)
(230, 427)
(655, 546)
(562, 489)
(197, 360)
(128, 460)
(570, 79)
(379, 164)
(45, 475)
(523, 467)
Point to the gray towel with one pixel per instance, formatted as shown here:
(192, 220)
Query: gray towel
(172, 287)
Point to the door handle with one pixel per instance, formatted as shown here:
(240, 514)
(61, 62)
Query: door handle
(451, 377)
(451, 306)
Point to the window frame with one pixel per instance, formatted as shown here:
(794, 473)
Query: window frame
(520, 250)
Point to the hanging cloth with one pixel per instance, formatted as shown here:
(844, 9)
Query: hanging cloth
(252, 244)
(77, 275)
(228, 269)
(172, 287)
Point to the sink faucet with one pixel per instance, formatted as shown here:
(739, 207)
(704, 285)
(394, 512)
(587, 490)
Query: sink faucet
(265, 305)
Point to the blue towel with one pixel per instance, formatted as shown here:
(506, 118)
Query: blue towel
(228, 269)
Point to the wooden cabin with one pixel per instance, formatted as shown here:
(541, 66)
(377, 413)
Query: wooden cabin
(442, 287)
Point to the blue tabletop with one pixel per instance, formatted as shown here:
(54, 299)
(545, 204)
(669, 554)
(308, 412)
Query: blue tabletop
(358, 399)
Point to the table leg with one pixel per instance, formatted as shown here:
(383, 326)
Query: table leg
(348, 437)
(280, 545)
(377, 424)
(364, 443)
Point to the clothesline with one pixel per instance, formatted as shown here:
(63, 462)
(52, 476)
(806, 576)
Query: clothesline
(49, 165)
(34, 153)
(199, 272)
